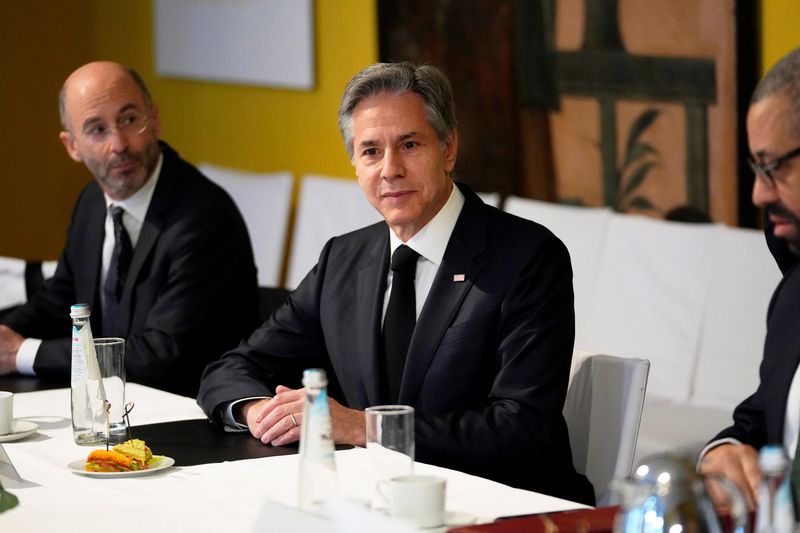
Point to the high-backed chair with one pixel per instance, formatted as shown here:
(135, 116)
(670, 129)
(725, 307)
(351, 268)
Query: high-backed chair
(326, 207)
(583, 231)
(264, 201)
(603, 410)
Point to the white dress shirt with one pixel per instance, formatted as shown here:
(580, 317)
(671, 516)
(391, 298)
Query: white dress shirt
(430, 243)
(135, 210)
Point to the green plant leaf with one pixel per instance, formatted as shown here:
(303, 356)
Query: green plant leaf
(638, 150)
(640, 202)
(637, 177)
(7, 500)
(642, 123)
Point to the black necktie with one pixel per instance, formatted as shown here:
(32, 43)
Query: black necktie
(117, 271)
(401, 315)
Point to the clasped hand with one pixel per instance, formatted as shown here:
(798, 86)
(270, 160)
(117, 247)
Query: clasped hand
(10, 342)
(739, 464)
(278, 420)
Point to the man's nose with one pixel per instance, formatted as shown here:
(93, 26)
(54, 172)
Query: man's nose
(118, 140)
(763, 192)
(392, 165)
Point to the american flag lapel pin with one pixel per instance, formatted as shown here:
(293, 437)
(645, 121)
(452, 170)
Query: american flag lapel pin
(458, 277)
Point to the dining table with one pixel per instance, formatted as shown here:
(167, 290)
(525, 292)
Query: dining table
(220, 481)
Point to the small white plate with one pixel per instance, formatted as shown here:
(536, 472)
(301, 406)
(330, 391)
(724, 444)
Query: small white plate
(164, 462)
(19, 430)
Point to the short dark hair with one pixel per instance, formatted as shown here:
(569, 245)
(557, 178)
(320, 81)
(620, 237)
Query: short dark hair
(783, 78)
(398, 78)
(62, 111)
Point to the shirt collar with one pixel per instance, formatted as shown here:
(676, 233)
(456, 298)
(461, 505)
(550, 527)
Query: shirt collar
(431, 241)
(136, 205)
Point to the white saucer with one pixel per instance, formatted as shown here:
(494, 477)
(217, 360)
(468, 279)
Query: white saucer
(19, 430)
(458, 518)
(452, 519)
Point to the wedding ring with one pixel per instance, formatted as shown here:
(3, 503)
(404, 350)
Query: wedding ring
(294, 420)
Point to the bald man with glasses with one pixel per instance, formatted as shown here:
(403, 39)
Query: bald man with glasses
(772, 414)
(161, 254)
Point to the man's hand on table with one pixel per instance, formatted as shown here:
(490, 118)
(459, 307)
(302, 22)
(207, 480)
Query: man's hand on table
(278, 420)
(739, 464)
(10, 342)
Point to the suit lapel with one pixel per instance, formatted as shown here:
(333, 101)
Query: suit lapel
(89, 274)
(368, 310)
(151, 230)
(447, 293)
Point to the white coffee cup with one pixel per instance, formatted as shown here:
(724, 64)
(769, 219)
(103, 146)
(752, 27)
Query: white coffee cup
(416, 499)
(6, 411)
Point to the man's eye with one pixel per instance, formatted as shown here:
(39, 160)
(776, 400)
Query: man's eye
(96, 131)
(409, 144)
(128, 120)
(370, 151)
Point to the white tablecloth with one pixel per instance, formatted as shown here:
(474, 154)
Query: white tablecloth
(229, 496)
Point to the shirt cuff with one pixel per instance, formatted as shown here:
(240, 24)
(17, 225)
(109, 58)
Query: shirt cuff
(711, 445)
(228, 421)
(26, 355)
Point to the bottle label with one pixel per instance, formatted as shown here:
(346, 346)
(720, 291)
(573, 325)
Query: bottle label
(320, 442)
(78, 357)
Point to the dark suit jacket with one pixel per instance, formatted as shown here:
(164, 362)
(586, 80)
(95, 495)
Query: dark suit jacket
(191, 292)
(489, 360)
(758, 420)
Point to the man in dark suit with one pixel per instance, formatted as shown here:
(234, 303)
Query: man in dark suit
(487, 364)
(173, 273)
(772, 414)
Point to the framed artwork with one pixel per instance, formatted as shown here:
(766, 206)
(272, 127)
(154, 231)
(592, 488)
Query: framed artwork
(649, 119)
(636, 105)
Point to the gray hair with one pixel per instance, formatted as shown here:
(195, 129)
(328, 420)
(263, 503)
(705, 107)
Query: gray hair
(148, 100)
(399, 78)
(783, 78)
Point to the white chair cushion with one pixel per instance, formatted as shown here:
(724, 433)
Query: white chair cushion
(603, 410)
(583, 232)
(264, 200)
(667, 426)
(326, 207)
(651, 292)
(732, 340)
(490, 198)
(12, 282)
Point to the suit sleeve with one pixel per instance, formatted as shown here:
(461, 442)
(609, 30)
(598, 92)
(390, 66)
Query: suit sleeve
(518, 434)
(275, 354)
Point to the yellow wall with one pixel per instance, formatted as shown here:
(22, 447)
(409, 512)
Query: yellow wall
(247, 127)
(779, 28)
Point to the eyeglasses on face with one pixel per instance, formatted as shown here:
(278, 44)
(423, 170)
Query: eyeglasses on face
(767, 171)
(130, 123)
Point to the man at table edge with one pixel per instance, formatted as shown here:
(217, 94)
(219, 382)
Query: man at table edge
(190, 289)
(772, 414)
(487, 366)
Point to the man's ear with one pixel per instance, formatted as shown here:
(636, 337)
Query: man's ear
(450, 152)
(155, 120)
(68, 140)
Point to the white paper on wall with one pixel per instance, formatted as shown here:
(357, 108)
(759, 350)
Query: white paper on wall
(256, 42)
